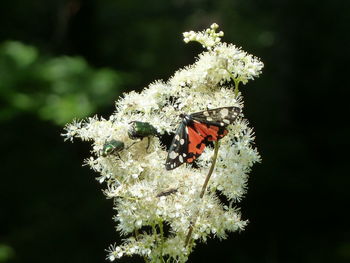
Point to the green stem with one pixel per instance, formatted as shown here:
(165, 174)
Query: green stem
(204, 187)
(161, 238)
(215, 156)
(236, 81)
(155, 257)
(236, 87)
(137, 238)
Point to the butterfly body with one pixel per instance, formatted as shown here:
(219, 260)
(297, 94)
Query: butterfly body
(195, 131)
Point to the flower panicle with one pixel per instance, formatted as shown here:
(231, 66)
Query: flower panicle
(154, 208)
(221, 64)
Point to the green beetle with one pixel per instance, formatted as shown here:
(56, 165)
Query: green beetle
(140, 130)
(112, 147)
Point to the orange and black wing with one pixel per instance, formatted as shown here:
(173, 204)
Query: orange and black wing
(186, 146)
(203, 127)
(178, 149)
(219, 117)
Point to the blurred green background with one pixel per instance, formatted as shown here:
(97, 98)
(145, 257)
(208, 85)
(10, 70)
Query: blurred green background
(62, 59)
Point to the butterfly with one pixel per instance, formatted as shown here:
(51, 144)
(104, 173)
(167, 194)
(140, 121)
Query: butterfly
(195, 131)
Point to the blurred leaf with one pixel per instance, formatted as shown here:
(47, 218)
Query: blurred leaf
(21, 54)
(6, 253)
(56, 89)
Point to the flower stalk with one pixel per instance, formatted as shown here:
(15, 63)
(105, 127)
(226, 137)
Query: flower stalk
(204, 187)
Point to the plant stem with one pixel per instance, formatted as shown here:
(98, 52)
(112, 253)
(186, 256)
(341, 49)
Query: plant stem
(136, 232)
(236, 81)
(155, 257)
(236, 87)
(161, 238)
(204, 187)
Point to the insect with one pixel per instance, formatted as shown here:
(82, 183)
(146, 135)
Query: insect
(139, 130)
(195, 132)
(112, 147)
(167, 192)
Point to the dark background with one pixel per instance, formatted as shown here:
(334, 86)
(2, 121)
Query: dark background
(64, 59)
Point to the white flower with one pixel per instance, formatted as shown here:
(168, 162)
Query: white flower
(146, 196)
(207, 38)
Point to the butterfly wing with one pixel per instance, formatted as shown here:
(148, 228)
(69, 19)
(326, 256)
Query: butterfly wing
(178, 148)
(220, 117)
(190, 140)
(186, 146)
(212, 124)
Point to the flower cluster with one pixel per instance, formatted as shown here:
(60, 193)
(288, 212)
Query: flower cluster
(155, 207)
(207, 38)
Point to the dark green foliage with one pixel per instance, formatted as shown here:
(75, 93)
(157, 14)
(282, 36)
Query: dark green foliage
(56, 89)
